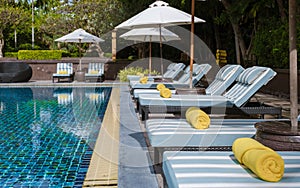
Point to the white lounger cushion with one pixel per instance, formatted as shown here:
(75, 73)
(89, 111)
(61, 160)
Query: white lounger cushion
(224, 78)
(221, 169)
(179, 133)
(201, 70)
(185, 100)
(63, 67)
(248, 83)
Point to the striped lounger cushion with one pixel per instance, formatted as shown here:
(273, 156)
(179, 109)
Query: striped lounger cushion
(221, 169)
(178, 132)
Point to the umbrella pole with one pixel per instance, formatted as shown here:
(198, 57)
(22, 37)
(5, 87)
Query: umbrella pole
(192, 44)
(150, 58)
(293, 64)
(160, 45)
(80, 54)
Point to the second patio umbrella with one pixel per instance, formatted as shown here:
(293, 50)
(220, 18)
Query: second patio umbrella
(79, 36)
(159, 14)
(150, 35)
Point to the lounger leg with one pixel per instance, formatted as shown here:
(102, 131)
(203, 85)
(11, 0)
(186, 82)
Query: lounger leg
(157, 156)
(144, 113)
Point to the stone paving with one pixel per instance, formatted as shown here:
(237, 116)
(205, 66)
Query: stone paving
(276, 101)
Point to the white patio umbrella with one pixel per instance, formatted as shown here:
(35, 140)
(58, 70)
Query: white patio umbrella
(79, 36)
(159, 14)
(150, 35)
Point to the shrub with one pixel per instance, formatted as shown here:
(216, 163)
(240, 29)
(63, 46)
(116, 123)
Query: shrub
(39, 54)
(28, 46)
(108, 55)
(133, 71)
(11, 54)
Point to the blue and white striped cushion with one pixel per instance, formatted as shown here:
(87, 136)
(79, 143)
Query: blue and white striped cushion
(221, 169)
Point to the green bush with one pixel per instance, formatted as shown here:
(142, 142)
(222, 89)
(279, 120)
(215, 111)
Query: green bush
(11, 54)
(65, 53)
(39, 54)
(28, 46)
(108, 55)
(133, 71)
(132, 57)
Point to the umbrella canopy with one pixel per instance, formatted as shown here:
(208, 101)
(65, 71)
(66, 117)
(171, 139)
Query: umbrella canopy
(79, 36)
(159, 14)
(150, 35)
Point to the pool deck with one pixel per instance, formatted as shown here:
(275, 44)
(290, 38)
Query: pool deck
(121, 157)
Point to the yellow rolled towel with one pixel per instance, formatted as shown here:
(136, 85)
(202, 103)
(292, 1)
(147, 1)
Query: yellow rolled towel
(160, 86)
(165, 93)
(187, 113)
(198, 118)
(261, 160)
(144, 80)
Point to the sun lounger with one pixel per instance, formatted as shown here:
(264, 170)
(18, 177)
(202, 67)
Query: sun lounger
(172, 71)
(178, 134)
(221, 169)
(200, 71)
(95, 72)
(247, 84)
(63, 71)
(223, 80)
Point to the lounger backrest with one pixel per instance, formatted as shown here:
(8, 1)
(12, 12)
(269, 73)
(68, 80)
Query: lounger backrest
(248, 83)
(99, 67)
(175, 70)
(186, 75)
(200, 72)
(64, 67)
(169, 69)
(224, 78)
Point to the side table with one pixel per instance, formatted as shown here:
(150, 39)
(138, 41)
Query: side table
(80, 76)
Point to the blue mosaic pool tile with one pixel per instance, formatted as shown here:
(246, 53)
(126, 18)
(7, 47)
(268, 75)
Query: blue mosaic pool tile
(43, 141)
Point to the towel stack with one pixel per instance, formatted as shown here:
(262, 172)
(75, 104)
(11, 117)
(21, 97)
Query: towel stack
(163, 91)
(197, 118)
(261, 160)
(160, 86)
(144, 80)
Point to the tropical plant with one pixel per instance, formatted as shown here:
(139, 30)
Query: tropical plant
(139, 71)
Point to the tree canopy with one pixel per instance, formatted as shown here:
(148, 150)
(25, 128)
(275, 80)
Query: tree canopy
(252, 32)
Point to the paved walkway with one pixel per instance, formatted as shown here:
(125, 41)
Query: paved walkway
(272, 100)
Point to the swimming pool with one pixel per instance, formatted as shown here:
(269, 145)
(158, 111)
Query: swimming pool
(47, 135)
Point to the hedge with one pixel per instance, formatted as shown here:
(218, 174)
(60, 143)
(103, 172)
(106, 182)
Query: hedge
(39, 54)
(11, 54)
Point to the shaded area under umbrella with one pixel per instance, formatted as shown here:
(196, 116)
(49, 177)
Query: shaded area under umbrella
(150, 35)
(159, 14)
(79, 36)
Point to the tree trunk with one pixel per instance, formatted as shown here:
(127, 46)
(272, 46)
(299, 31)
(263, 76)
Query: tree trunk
(1, 47)
(237, 48)
(217, 37)
(281, 10)
(240, 45)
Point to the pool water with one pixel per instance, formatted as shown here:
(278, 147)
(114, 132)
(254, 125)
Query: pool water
(47, 135)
